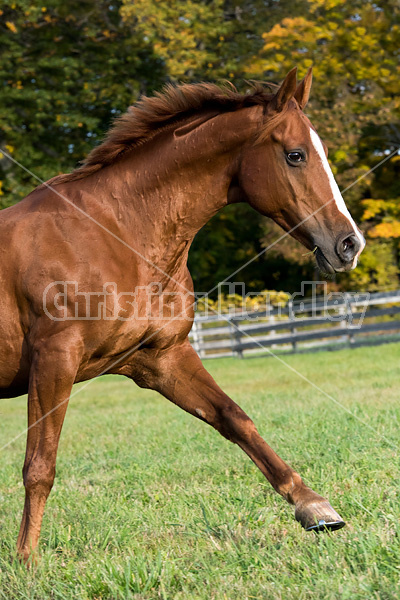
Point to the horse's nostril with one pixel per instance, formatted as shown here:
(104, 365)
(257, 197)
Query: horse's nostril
(348, 247)
(347, 244)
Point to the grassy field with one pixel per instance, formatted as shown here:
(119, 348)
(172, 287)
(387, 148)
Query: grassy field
(151, 503)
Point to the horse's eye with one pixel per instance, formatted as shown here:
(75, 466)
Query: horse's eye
(295, 157)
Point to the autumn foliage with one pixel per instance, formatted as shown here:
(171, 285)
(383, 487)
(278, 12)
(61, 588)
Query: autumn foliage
(68, 68)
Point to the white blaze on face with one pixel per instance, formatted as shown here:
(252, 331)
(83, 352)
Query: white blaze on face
(336, 195)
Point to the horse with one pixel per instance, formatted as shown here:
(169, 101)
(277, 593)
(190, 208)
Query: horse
(122, 222)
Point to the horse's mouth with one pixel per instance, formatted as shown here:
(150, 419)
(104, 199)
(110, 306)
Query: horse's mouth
(323, 263)
(326, 267)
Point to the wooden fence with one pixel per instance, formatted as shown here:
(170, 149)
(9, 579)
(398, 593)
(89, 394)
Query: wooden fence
(302, 325)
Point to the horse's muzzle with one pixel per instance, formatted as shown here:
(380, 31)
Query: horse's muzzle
(342, 257)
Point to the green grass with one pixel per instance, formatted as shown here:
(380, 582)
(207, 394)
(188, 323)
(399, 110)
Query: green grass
(151, 503)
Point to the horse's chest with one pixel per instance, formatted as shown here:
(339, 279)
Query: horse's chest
(159, 321)
(170, 318)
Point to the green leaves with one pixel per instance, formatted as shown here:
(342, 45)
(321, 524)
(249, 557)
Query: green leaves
(353, 48)
(65, 73)
(67, 69)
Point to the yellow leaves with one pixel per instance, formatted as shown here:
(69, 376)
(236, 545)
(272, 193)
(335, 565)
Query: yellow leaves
(1, 190)
(277, 31)
(10, 150)
(289, 42)
(372, 208)
(388, 212)
(288, 28)
(293, 36)
(339, 155)
(331, 38)
(325, 4)
(296, 22)
(385, 230)
(270, 45)
(11, 26)
(179, 33)
(228, 302)
(376, 270)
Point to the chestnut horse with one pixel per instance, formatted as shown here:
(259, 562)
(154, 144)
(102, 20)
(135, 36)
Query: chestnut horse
(128, 216)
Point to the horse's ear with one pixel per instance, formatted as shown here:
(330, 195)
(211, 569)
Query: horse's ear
(302, 93)
(286, 91)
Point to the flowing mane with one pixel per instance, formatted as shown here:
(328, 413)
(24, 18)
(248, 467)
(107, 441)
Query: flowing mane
(150, 115)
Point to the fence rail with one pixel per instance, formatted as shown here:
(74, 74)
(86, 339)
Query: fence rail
(303, 325)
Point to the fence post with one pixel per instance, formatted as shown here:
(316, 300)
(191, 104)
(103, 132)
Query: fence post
(293, 329)
(271, 319)
(343, 311)
(236, 337)
(349, 312)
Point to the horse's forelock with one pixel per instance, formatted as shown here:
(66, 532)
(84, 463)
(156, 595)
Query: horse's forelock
(272, 121)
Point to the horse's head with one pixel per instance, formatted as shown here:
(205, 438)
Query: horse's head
(286, 176)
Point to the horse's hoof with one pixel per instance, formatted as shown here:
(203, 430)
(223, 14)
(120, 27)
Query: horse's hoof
(28, 558)
(324, 526)
(318, 516)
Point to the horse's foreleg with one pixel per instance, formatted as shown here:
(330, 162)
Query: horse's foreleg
(52, 375)
(180, 376)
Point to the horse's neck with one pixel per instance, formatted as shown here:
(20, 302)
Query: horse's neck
(172, 192)
(166, 190)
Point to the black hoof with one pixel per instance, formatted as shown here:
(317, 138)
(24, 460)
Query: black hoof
(326, 526)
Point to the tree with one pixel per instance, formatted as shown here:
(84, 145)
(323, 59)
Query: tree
(215, 40)
(66, 70)
(353, 47)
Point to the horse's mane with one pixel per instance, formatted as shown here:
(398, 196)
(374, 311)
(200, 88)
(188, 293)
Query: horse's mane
(152, 114)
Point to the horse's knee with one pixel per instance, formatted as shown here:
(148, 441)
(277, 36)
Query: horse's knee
(38, 477)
